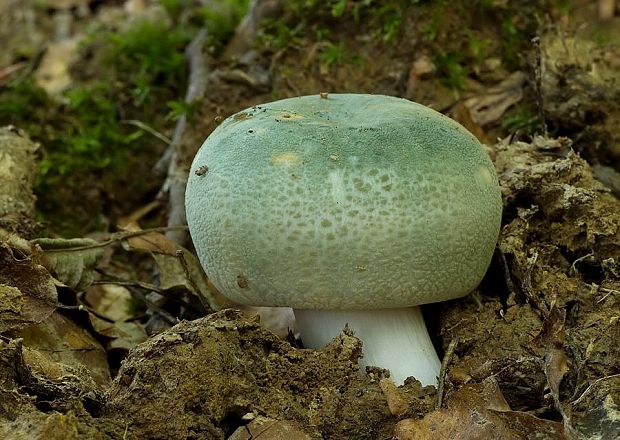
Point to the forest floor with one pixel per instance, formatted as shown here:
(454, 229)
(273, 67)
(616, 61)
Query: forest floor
(108, 326)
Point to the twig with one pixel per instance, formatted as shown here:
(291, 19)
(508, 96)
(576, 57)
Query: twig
(84, 308)
(246, 31)
(181, 258)
(528, 290)
(442, 372)
(190, 278)
(573, 267)
(169, 318)
(608, 292)
(32, 65)
(506, 272)
(161, 167)
(140, 284)
(174, 186)
(150, 287)
(141, 125)
(116, 237)
(591, 386)
(538, 67)
(10, 70)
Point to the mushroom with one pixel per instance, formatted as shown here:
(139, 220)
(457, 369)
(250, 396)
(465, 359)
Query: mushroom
(352, 209)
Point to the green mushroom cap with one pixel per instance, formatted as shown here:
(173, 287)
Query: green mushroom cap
(348, 201)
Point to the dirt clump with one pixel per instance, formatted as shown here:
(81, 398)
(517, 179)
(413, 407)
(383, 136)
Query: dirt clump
(212, 375)
(553, 329)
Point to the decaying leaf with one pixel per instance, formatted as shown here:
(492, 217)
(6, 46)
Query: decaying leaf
(122, 335)
(60, 350)
(72, 260)
(178, 268)
(549, 343)
(149, 242)
(53, 74)
(110, 301)
(489, 106)
(462, 114)
(596, 413)
(27, 291)
(479, 412)
(268, 429)
(172, 275)
(18, 170)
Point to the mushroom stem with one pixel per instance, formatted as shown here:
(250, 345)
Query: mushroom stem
(394, 339)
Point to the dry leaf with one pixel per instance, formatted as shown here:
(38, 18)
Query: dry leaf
(53, 73)
(110, 301)
(267, 429)
(61, 350)
(596, 413)
(172, 274)
(478, 412)
(27, 291)
(72, 260)
(549, 342)
(462, 114)
(122, 335)
(491, 105)
(151, 242)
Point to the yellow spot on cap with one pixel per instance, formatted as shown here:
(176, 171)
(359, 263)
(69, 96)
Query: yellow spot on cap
(286, 158)
(287, 116)
(483, 175)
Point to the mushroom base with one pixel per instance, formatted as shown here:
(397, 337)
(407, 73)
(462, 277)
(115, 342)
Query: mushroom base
(394, 339)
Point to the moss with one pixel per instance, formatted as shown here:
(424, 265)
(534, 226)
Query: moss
(522, 119)
(333, 53)
(466, 33)
(308, 18)
(147, 58)
(450, 69)
(134, 74)
(222, 18)
(23, 104)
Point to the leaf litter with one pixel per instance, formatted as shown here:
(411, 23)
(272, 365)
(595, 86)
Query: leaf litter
(532, 353)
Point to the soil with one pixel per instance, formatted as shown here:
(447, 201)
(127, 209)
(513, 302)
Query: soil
(533, 352)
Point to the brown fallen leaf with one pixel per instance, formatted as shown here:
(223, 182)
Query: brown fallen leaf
(122, 335)
(27, 291)
(462, 114)
(489, 106)
(110, 301)
(53, 74)
(268, 429)
(478, 412)
(151, 242)
(549, 343)
(178, 268)
(61, 351)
